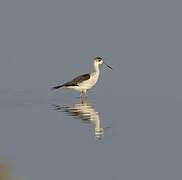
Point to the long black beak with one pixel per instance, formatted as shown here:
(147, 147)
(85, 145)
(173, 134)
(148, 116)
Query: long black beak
(108, 65)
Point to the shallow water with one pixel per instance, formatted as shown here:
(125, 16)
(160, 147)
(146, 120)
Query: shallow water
(56, 136)
(130, 125)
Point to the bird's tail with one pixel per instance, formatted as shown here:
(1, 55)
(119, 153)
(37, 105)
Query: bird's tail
(57, 87)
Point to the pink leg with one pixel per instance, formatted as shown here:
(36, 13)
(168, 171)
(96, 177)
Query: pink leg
(81, 95)
(84, 93)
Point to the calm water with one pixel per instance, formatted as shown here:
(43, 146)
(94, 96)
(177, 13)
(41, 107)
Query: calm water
(51, 135)
(130, 126)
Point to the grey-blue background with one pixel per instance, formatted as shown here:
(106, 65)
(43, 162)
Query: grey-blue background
(43, 43)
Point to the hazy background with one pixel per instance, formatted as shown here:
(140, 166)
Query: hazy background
(44, 43)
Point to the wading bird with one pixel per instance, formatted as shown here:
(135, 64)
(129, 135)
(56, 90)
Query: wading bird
(84, 82)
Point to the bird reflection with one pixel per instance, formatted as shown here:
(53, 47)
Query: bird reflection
(85, 112)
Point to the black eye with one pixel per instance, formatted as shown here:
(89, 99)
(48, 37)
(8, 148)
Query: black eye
(99, 60)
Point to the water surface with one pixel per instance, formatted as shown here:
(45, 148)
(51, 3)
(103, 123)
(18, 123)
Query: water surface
(51, 136)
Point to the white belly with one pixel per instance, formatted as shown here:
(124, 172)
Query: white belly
(89, 83)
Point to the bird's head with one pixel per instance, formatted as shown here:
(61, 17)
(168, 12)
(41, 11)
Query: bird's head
(98, 60)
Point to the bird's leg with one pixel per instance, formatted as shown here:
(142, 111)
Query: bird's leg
(85, 94)
(81, 95)
(82, 100)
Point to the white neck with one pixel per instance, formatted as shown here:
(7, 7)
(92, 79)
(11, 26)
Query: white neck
(96, 68)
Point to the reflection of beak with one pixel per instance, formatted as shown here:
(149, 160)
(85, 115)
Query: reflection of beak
(108, 65)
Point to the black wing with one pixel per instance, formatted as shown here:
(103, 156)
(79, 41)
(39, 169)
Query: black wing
(75, 81)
